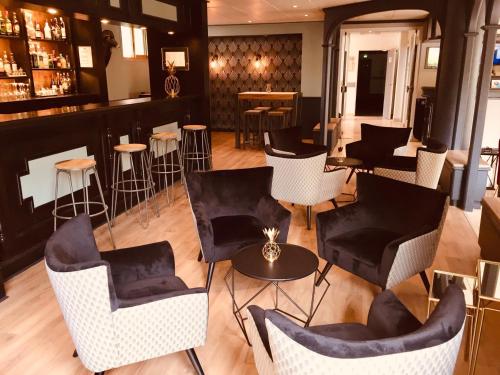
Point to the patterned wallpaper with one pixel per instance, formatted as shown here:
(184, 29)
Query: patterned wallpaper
(233, 69)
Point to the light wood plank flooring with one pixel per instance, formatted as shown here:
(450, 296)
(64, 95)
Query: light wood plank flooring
(34, 338)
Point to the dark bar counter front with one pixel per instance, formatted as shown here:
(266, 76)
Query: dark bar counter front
(36, 132)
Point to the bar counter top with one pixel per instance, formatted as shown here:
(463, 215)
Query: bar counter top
(11, 120)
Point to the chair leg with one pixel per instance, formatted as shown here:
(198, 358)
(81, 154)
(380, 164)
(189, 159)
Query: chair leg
(200, 256)
(425, 280)
(194, 361)
(334, 203)
(99, 373)
(211, 267)
(309, 216)
(75, 354)
(323, 273)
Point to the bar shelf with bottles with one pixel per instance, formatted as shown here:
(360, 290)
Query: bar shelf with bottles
(36, 55)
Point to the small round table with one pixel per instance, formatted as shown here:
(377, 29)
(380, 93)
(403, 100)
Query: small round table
(294, 263)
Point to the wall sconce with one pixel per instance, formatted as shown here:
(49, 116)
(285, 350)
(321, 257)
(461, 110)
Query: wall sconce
(213, 61)
(258, 61)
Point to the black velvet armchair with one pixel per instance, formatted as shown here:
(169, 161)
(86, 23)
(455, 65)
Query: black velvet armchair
(392, 342)
(123, 306)
(231, 207)
(390, 234)
(377, 143)
(289, 140)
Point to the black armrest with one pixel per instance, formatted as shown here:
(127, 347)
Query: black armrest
(205, 229)
(401, 163)
(388, 317)
(354, 149)
(124, 303)
(273, 214)
(137, 263)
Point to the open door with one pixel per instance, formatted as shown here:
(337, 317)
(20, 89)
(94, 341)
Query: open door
(390, 83)
(370, 87)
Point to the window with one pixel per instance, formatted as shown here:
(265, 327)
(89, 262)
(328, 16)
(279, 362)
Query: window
(134, 42)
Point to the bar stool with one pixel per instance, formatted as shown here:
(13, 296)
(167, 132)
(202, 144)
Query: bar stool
(195, 148)
(249, 115)
(274, 113)
(288, 114)
(85, 167)
(161, 146)
(140, 182)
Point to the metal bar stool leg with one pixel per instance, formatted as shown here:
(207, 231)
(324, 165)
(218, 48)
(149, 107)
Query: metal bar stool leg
(105, 207)
(55, 200)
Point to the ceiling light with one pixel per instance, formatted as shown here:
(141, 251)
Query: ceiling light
(52, 11)
(370, 31)
(294, 6)
(104, 21)
(249, 21)
(306, 15)
(171, 32)
(144, 28)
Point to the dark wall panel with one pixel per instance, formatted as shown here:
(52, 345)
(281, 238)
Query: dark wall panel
(233, 69)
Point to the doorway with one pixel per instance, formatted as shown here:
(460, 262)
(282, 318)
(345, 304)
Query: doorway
(370, 88)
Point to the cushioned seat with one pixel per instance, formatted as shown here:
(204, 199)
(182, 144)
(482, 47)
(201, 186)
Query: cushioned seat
(345, 331)
(238, 228)
(149, 287)
(364, 244)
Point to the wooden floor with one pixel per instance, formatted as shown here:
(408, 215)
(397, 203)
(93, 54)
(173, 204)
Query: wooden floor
(34, 338)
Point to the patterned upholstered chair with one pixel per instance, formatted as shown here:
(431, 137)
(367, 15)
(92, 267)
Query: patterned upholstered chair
(377, 144)
(424, 169)
(289, 140)
(302, 179)
(123, 306)
(230, 209)
(392, 342)
(378, 238)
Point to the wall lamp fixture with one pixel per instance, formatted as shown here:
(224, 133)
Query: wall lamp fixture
(213, 61)
(258, 61)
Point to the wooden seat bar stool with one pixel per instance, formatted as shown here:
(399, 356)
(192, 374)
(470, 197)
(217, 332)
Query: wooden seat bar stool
(85, 167)
(275, 113)
(139, 183)
(288, 111)
(248, 126)
(164, 147)
(196, 148)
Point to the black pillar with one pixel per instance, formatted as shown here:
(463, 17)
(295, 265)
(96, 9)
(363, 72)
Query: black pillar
(483, 88)
(449, 71)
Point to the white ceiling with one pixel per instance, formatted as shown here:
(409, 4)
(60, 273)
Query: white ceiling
(230, 12)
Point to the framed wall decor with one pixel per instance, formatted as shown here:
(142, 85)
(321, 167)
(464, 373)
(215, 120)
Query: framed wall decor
(178, 55)
(432, 57)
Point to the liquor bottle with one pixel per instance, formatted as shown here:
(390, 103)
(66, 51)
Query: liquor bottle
(51, 61)
(3, 30)
(6, 63)
(8, 23)
(63, 28)
(45, 58)
(58, 61)
(2, 69)
(17, 26)
(53, 84)
(68, 64)
(33, 55)
(40, 57)
(30, 25)
(47, 32)
(13, 63)
(38, 31)
(64, 64)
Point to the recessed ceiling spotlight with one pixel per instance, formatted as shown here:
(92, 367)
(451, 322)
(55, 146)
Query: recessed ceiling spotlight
(52, 11)
(171, 32)
(306, 15)
(294, 6)
(104, 21)
(370, 31)
(250, 21)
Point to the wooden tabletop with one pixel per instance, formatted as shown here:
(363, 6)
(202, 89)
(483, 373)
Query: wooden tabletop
(263, 95)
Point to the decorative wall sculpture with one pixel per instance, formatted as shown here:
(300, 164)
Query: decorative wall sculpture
(248, 63)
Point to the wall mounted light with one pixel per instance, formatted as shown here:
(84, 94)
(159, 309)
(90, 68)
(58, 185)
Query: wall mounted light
(52, 11)
(171, 32)
(104, 21)
(258, 61)
(213, 62)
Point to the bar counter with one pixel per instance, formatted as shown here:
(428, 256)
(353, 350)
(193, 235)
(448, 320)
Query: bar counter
(30, 144)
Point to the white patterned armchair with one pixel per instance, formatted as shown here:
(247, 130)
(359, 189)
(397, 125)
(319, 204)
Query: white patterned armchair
(123, 306)
(378, 238)
(302, 179)
(392, 342)
(424, 169)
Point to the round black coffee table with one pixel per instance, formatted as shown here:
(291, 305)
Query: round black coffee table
(294, 263)
(339, 162)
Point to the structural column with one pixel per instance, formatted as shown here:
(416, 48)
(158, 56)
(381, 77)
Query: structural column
(490, 31)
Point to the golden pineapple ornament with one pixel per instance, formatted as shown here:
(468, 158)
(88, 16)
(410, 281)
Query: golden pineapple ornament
(271, 250)
(172, 84)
